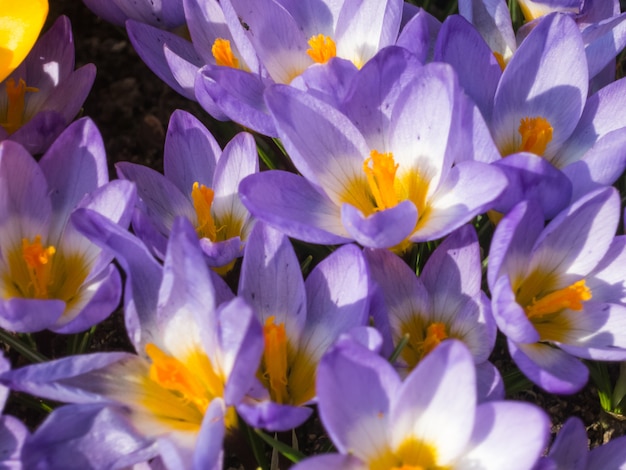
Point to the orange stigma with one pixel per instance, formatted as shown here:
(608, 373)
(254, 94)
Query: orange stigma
(321, 48)
(39, 265)
(223, 53)
(275, 359)
(571, 297)
(15, 107)
(536, 134)
(380, 170)
(202, 198)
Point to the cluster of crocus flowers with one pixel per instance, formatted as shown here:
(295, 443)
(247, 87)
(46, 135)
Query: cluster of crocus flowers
(396, 133)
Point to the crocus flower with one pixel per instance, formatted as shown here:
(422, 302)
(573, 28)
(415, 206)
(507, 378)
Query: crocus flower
(538, 107)
(570, 451)
(12, 431)
(200, 183)
(198, 349)
(50, 275)
(21, 23)
(389, 181)
(445, 301)
(300, 319)
(431, 420)
(558, 291)
(42, 96)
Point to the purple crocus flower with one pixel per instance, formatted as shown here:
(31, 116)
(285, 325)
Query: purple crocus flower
(558, 291)
(198, 349)
(300, 320)
(384, 183)
(200, 183)
(44, 94)
(431, 420)
(445, 301)
(570, 451)
(538, 107)
(50, 275)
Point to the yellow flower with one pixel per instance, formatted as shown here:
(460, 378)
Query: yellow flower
(20, 25)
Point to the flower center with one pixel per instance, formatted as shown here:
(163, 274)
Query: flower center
(380, 170)
(223, 53)
(412, 454)
(275, 359)
(536, 134)
(418, 348)
(321, 48)
(570, 297)
(202, 198)
(15, 106)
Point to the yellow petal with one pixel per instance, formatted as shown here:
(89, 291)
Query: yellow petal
(20, 25)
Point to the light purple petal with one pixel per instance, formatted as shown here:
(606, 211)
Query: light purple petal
(209, 453)
(148, 41)
(429, 400)
(550, 368)
(238, 94)
(354, 389)
(68, 97)
(489, 383)
(469, 189)
(603, 42)
(30, 315)
(12, 435)
(271, 280)
(570, 449)
(506, 435)
(383, 229)
(291, 203)
(272, 416)
(191, 152)
(331, 462)
(86, 436)
(531, 176)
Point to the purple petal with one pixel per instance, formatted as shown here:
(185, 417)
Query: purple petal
(489, 383)
(354, 389)
(330, 462)
(610, 455)
(603, 42)
(191, 152)
(531, 176)
(272, 416)
(383, 229)
(550, 368)
(148, 41)
(469, 189)
(238, 94)
(70, 94)
(570, 449)
(86, 436)
(291, 203)
(30, 315)
(209, 455)
(510, 317)
(507, 435)
(271, 280)
(13, 433)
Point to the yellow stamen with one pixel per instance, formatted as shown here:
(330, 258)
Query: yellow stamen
(202, 198)
(536, 134)
(223, 53)
(173, 375)
(411, 454)
(380, 170)
(38, 264)
(422, 339)
(15, 99)
(321, 48)
(571, 297)
(275, 359)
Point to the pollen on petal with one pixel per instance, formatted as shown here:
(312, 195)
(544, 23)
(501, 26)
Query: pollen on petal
(223, 53)
(321, 48)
